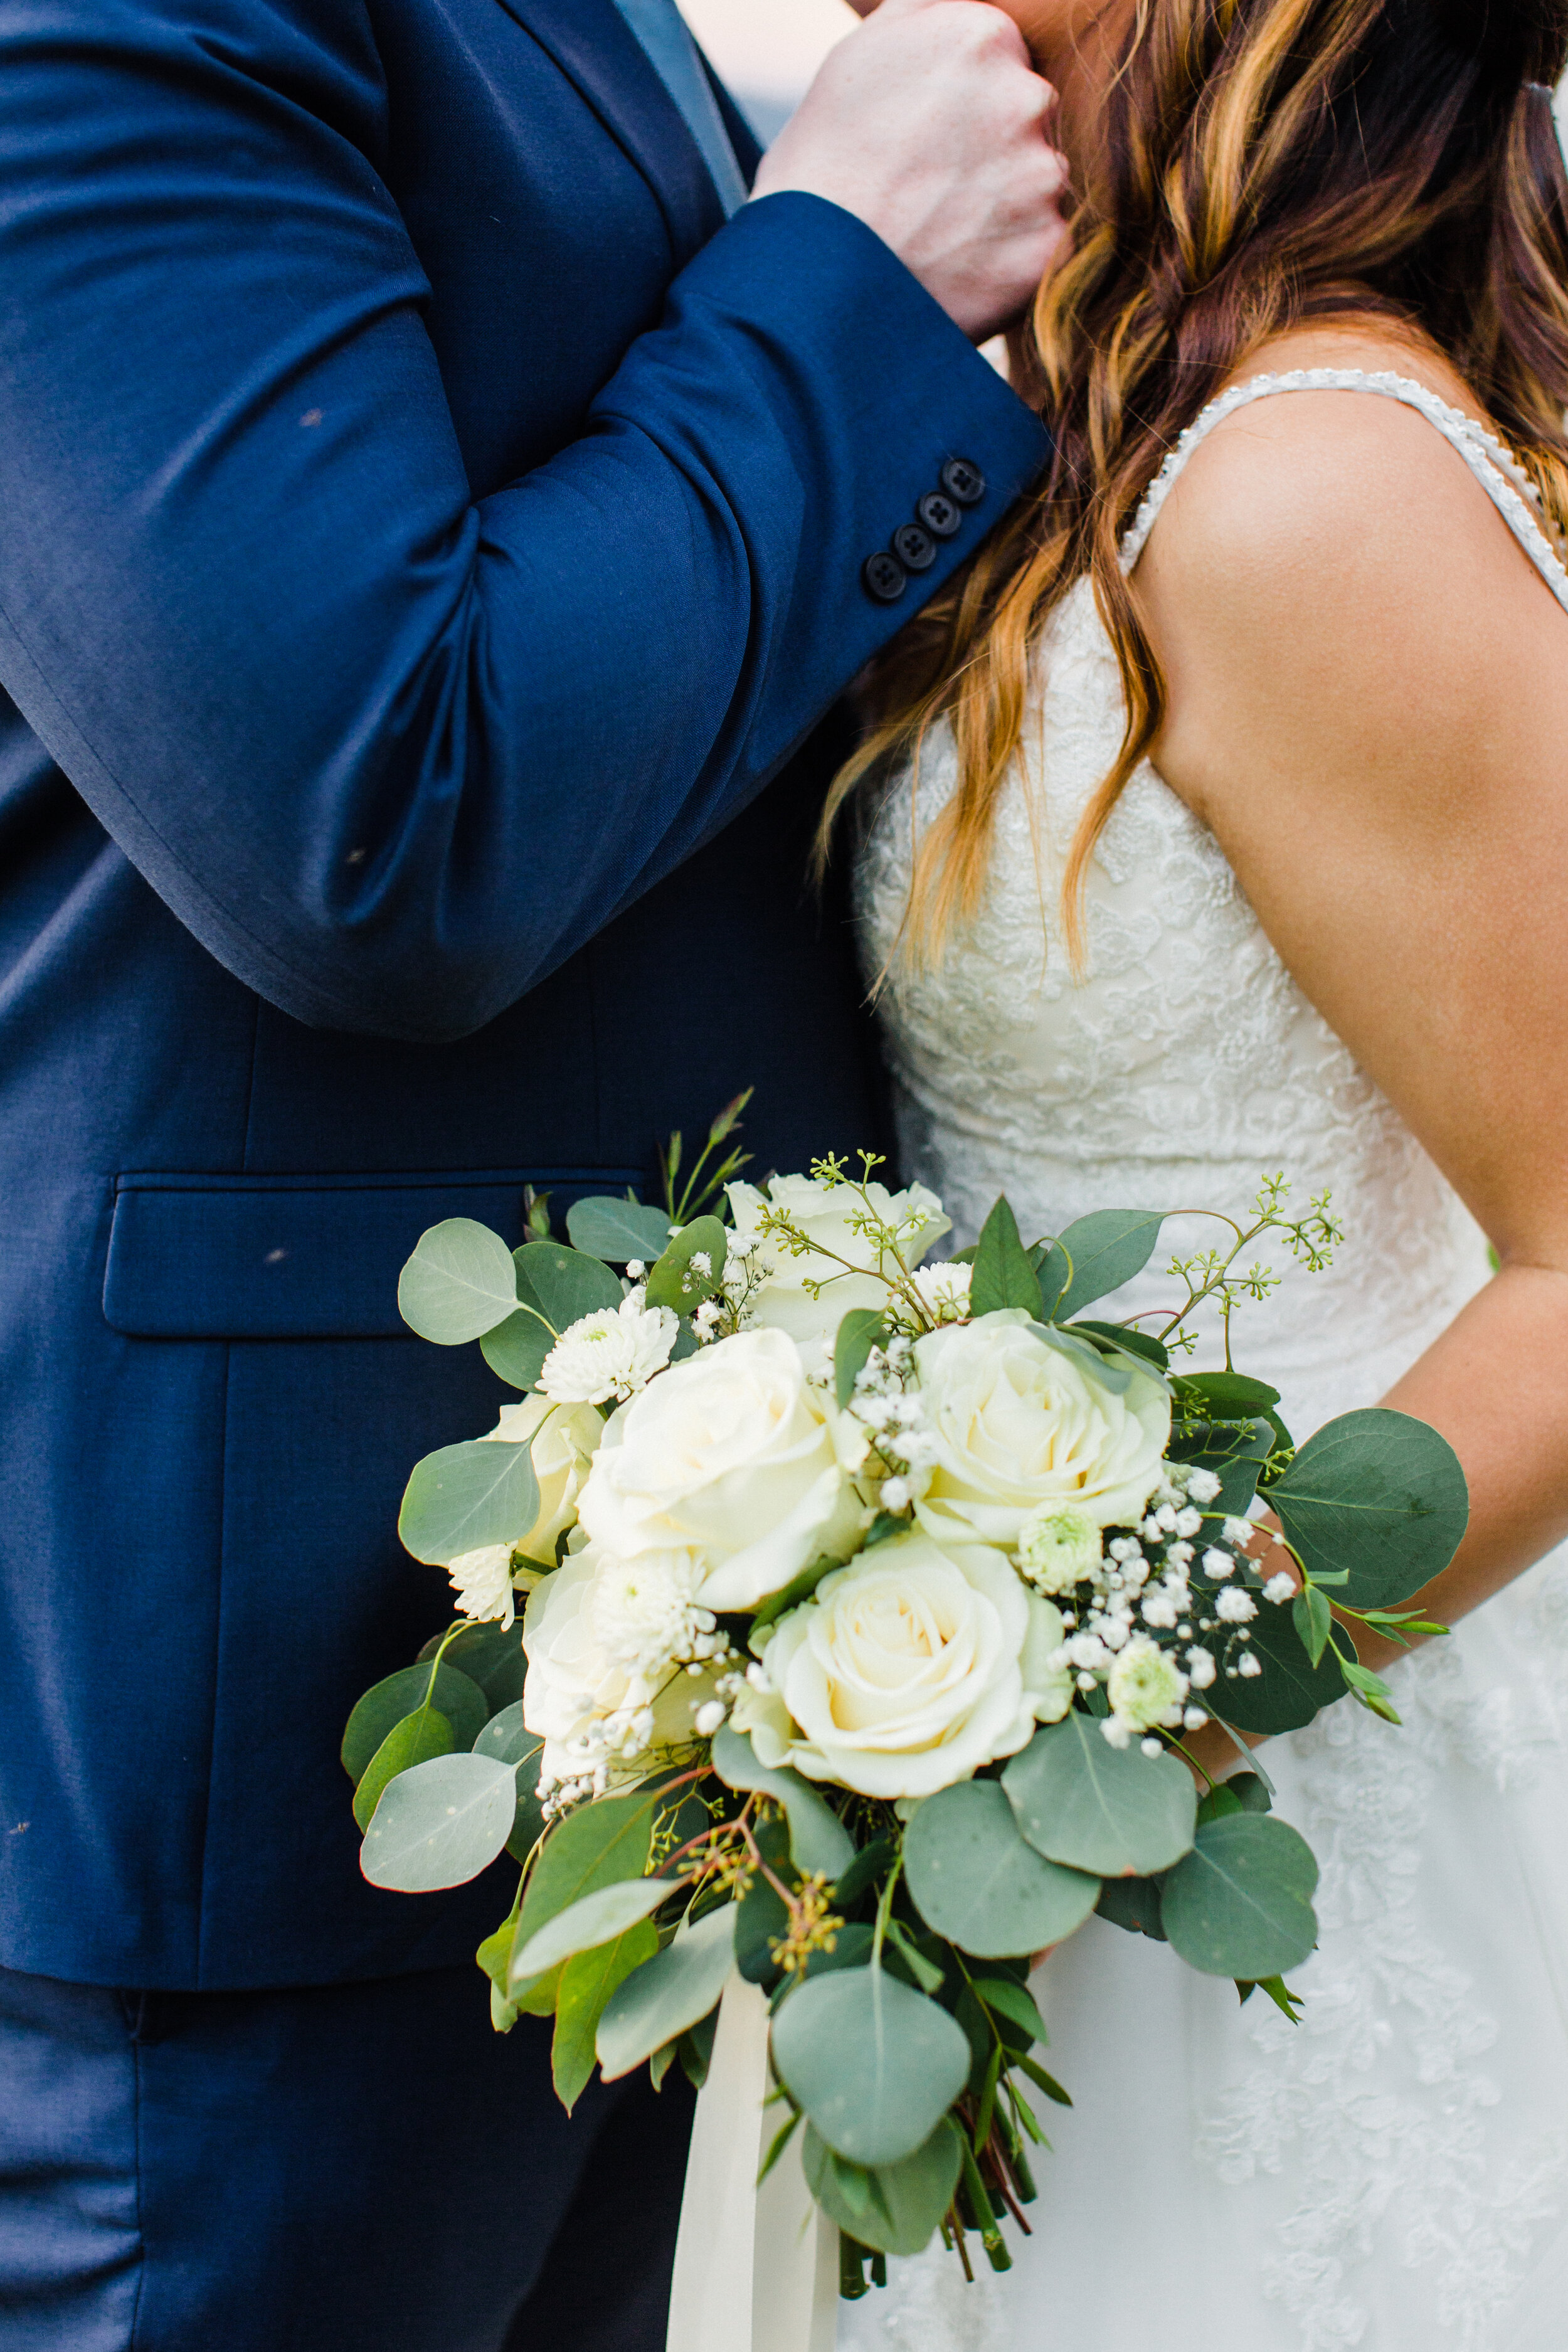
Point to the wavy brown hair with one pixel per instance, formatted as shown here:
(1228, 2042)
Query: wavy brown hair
(1266, 162)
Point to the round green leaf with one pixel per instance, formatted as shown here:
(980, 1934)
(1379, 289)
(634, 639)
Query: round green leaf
(897, 2208)
(507, 1736)
(667, 1995)
(563, 1283)
(593, 1919)
(817, 1838)
(617, 1230)
(419, 1736)
(1107, 1248)
(977, 1882)
(465, 1497)
(1289, 1692)
(1111, 1810)
(440, 1824)
(1379, 1493)
(1240, 1904)
(458, 1284)
(875, 2066)
(674, 1282)
(515, 1350)
(388, 1702)
(490, 1653)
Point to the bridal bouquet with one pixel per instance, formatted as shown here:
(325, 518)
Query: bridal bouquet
(870, 1601)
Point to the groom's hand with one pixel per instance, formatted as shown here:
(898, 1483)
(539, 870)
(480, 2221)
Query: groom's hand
(930, 125)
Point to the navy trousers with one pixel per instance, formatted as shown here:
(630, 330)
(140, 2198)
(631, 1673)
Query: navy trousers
(360, 2168)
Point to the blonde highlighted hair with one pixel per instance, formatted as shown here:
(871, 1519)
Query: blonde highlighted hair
(1266, 162)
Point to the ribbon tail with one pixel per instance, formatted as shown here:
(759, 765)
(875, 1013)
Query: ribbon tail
(756, 2270)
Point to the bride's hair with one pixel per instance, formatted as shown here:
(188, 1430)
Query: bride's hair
(1266, 162)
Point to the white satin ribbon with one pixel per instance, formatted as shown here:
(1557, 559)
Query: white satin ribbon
(756, 2270)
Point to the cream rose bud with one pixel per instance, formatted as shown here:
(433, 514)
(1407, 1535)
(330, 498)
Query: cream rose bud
(1018, 1425)
(583, 1695)
(730, 1457)
(564, 1439)
(823, 1213)
(907, 1670)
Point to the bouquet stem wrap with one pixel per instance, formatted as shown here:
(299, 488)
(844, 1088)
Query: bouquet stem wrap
(756, 2269)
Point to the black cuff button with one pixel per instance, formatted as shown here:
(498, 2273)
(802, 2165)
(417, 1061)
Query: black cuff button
(884, 576)
(915, 548)
(939, 514)
(963, 482)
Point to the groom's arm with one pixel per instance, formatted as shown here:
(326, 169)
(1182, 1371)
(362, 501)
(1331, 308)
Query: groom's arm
(390, 752)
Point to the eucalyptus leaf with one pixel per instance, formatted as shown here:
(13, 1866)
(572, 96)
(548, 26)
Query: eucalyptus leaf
(1112, 1812)
(1107, 1249)
(817, 1838)
(861, 1330)
(425, 1733)
(668, 1994)
(1310, 1615)
(977, 1882)
(602, 1843)
(506, 1736)
(897, 2208)
(588, 1983)
(674, 1281)
(465, 1497)
(1236, 1451)
(1004, 1275)
(386, 1703)
(1377, 1493)
(1114, 1372)
(1129, 1340)
(618, 1230)
(1132, 1904)
(593, 1919)
(489, 1654)
(563, 1283)
(1016, 2003)
(515, 1350)
(1289, 1692)
(458, 1284)
(440, 1824)
(875, 2066)
(1240, 1904)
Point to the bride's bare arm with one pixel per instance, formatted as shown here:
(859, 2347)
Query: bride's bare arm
(1368, 706)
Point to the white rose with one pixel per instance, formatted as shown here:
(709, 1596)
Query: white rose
(823, 1213)
(907, 1670)
(581, 1696)
(1017, 1423)
(730, 1457)
(564, 1439)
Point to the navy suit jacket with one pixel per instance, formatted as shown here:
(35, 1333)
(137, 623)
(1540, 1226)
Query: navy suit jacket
(428, 535)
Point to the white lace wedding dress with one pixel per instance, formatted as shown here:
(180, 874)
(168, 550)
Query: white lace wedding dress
(1392, 2173)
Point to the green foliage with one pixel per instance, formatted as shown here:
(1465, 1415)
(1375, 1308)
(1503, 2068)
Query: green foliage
(618, 1231)
(1379, 1493)
(464, 1496)
(419, 1736)
(515, 1350)
(439, 1823)
(1236, 1451)
(563, 1283)
(598, 1844)
(507, 1737)
(588, 1981)
(978, 1883)
(1114, 1813)
(695, 2049)
(875, 2066)
(1290, 1691)
(1004, 1274)
(895, 2208)
(674, 1282)
(458, 1284)
(1312, 1617)
(386, 1703)
(1132, 1904)
(488, 1654)
(1006, 1997)
(762, 1916)
(799, 1588)
(818, 1838)
(861, 1329)
(593, 1919)
(1240, 1904)
(670, 1992)
(1106, 1249)
(1127, 1340)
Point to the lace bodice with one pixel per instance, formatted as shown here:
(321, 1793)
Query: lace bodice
(1386, 2176)
(1188, 1063)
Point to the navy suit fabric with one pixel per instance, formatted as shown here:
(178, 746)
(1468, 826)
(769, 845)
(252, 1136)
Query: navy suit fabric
(429, 542)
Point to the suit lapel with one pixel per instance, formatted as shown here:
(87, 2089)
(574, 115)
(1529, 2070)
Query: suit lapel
(743, 138)
(595, 47)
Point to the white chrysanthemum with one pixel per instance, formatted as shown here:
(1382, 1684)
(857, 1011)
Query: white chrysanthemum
(613, 1352)
(1146, 1689)
(482, 1582)
(1058, 1547)
(945, 1287)
(643, 1612)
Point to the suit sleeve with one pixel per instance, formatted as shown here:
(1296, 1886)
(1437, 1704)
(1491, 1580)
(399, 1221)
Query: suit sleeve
(389, 751)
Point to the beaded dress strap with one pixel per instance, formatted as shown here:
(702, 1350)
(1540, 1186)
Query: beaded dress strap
(1496, 468)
